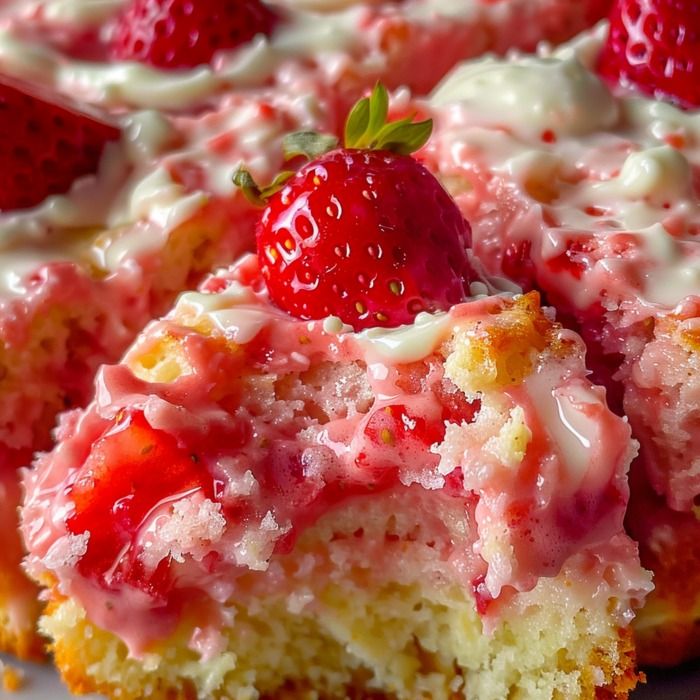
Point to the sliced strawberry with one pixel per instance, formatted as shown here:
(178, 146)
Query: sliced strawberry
(186, 33)
(131, 469)
(363, 232)
(654, 46)
(44, 145)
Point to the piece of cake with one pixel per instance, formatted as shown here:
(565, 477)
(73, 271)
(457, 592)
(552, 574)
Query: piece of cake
(588, 193)
(262, 499)
(255, 502)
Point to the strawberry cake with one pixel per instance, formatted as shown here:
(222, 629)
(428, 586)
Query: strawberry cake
(243, 470)
(120, 129)
(589, 193)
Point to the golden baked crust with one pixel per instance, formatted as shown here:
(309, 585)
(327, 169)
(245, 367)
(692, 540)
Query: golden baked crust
(19, 604)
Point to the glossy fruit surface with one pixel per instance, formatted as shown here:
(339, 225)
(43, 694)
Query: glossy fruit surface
(186, 33)
(654, 46)
(45, 145)
(367, 235)
(131, 470)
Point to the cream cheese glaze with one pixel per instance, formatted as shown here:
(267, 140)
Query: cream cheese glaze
(133, 185)
(590, 194)
(546, 448)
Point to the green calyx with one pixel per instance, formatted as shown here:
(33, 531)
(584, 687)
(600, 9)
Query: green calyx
(252, 191)
(366, 127)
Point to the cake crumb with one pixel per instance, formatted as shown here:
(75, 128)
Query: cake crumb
(12, 678)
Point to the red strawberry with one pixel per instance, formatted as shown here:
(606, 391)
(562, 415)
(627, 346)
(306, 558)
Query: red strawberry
(186, 33)
(131, 469)
(654, 45)
(366, 234)
(44, 145)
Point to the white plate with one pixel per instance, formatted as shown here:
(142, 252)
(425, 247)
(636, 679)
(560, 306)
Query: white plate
(42, 683)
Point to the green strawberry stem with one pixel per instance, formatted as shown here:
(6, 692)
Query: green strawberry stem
(366, 128)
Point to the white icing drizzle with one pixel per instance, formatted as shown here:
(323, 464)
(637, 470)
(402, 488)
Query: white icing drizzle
(240, 313)
(134, 198)
(319, 29)
(138, 85)
(409, 343)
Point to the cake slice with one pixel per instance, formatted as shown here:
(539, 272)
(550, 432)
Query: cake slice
(590, 196)
(347, 465)
(256, 503)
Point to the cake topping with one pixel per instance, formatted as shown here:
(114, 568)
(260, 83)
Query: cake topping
(45, 145)
(363, 232)
(186, 33)
(654, 45)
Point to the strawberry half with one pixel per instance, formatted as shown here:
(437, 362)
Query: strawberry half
(186, 33)
(363, 232)
(654, 46)
(44, 145)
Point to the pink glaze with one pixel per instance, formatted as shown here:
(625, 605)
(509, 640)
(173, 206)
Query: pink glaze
(91, 268)
(271, 470)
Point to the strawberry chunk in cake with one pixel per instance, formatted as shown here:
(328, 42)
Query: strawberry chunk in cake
(434, 509)
(589, 194)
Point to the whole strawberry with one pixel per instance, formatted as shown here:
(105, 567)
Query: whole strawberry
(654, 46)
(45, 144)
(186, 33)
(363, 232)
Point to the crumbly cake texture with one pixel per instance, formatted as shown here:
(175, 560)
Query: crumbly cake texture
(431, 511)
(19, 597)
(589, 196)
(87, 270)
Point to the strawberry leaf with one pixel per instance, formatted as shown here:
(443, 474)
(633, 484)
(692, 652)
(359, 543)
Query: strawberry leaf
(367, 126)
(253, 192)
(403, 136)
(243, 179)
(356, 124)
(378, 113)
(276, 185)
(367, 119)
